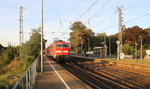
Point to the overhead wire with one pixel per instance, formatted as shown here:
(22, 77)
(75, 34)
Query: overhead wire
(65, 20)
(102, 12)
(105, 19)
(126, 22)
(87, 10)
(100, 9)
(137, 18)
(91, 7)
(72, 11)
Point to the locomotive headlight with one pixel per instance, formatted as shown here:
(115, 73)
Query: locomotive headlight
(65, 51)
(58, 51)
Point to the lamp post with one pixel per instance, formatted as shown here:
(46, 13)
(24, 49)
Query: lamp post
(42, 67)
(141, 56)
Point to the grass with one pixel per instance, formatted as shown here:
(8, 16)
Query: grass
(10, 73)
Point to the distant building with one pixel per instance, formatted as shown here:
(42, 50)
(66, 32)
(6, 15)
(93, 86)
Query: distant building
(147, 57)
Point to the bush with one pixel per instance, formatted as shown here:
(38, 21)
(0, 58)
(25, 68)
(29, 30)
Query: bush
(139, 53)
(11, 73)
(8, 55)
(127, 49)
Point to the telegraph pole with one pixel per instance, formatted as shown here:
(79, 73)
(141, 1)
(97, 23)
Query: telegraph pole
(141, 48)
(120, 30)
(20, 29)
(136, 51)
(42, 37)
(110, 47)
(88, 44)
(105, 47)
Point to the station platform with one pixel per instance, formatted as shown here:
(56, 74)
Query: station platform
(56, 77)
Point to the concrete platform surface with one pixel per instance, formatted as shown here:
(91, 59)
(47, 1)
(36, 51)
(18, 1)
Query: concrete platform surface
(56, 77)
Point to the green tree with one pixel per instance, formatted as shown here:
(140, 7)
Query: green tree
(148, 31)
(88, 37)
(100, 39)
(113, 44)
(31, 48)
(127, 49)
(80, 36)
(147, 42)
(76, 35)
(1, 48)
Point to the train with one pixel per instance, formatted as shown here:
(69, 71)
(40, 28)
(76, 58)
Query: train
(59, 51)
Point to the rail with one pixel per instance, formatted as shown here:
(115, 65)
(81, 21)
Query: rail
(27, 81)
(94, 55)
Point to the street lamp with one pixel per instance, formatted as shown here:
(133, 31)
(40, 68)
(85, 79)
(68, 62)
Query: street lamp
(141, 48)
(42, 67)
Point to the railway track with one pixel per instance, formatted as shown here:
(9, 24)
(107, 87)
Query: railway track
(132, 70)
(132, 76)
(127, 73)
(96, 79)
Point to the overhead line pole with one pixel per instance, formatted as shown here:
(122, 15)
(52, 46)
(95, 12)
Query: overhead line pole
(42, 67)
(120, 30)
(109, 47)
(141, 56)
(20, 29)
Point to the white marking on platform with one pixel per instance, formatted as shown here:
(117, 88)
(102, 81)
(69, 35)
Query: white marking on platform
(59, 75)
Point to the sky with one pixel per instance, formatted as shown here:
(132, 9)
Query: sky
(60, 14)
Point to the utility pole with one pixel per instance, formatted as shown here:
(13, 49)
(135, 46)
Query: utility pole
(42, 67)
(141, 48)
(118, 55)
(120, 31)
(88, 44)
(105, 47)
(21, 30)
(104, 39)
(136, 51)
(110, 47)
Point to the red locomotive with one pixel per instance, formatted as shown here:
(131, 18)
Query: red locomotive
(59, 50)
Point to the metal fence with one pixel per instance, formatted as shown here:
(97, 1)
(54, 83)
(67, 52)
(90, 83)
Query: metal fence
(27, 81)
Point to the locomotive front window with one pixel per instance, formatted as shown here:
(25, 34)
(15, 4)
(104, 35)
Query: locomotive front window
(65, 45)
(62, 45)
(59, 45)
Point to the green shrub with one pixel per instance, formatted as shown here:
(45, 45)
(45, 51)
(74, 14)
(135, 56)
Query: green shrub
(8, 55)
(127, 49)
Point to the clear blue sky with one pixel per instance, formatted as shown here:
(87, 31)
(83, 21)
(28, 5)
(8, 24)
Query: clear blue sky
(66, 12)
